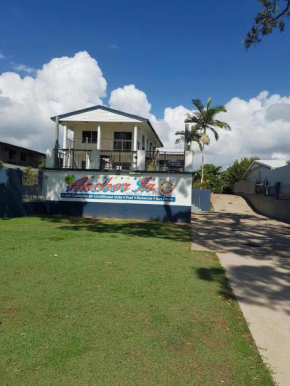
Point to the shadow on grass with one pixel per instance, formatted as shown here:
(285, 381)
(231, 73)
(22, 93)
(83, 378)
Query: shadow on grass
(218, 275)
(161, 230)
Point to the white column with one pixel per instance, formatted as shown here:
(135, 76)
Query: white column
(64, 144)
(50, 158)
(135, 138)
(141, 160)
(56, 133)
(188, 160)
(99, 137)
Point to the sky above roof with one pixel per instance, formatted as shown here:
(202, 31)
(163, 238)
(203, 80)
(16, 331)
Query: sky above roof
(146, 57)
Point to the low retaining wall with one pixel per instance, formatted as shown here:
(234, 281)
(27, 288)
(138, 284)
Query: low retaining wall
(269, 206)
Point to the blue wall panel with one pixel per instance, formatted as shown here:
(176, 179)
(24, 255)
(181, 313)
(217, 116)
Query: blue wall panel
(169, 213)
(201, 199)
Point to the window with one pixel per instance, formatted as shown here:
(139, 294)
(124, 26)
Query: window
(143, 142)
(91, 135)
(23, 156)
(122, 141)
(147, 144)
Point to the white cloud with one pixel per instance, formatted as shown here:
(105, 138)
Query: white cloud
(24, 68)
(260, 125)
(1, 56)
(62, 85)
(131, 100)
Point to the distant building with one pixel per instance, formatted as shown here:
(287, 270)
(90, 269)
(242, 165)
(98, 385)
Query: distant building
(16, 156)
(261, 170)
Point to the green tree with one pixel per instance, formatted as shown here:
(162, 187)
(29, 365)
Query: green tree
(271, 17)
(213, 178)
(236, 171)
(204, 120)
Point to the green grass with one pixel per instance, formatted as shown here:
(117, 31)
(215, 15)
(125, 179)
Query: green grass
(99, 302)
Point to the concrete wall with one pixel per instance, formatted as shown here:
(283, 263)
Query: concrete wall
(201, 199)
(248, 187)
(269, 206)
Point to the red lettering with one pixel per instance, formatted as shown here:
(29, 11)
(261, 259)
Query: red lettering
(116, 187)
(78, 184)
(97, 186)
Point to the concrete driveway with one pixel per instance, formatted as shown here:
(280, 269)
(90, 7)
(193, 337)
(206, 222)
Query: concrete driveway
(255, 251)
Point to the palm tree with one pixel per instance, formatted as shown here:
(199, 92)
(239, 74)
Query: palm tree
(193, 136)
(204, 119)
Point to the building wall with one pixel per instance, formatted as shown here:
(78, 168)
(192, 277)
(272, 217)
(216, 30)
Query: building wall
(15, 155)
(259, 174)
(281, 174)
(144, 196)
(107, 134)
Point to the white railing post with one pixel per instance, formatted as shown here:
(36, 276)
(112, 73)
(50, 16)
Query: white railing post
(95, 161)
(141, 159)
(135, 137)
(99, 137)
(50, 158)
(188, 161)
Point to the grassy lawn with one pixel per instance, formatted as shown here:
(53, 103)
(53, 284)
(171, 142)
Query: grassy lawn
(99, 302)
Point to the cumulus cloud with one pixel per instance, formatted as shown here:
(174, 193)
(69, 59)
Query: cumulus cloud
(62, 85)
(260, 125)
(131, 100)
(24, 68)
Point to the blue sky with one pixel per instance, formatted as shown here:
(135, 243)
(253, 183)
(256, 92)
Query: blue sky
(172, 50)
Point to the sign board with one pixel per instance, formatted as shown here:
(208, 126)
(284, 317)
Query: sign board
(145, 188)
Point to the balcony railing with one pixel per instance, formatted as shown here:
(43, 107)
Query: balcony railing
(164, 161)
(73, 159)
(118, 160)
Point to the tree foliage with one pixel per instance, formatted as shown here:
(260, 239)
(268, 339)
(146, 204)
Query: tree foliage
(236, 171)
(222, 181)
(271, 17)
(213, 178)
(29, 176)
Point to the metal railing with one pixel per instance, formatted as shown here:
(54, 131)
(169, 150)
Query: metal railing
(164, 161)
(73, 159)
(118, 160)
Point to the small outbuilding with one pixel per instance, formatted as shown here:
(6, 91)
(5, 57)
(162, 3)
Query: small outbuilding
(259, 170)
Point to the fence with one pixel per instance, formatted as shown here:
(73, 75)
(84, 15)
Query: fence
(73, 159)
(279, 190)
(165, 161)
(247, 187)
(118, 160)
(16, 199)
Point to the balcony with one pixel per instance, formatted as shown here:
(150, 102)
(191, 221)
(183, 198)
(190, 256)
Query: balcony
(120, 160)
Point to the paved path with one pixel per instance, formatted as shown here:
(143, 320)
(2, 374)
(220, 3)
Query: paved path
(255, 252)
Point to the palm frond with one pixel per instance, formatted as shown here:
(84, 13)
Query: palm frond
(181, 132)
(216, 134)
(208, 103)
(198, 104)
(221, 125)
